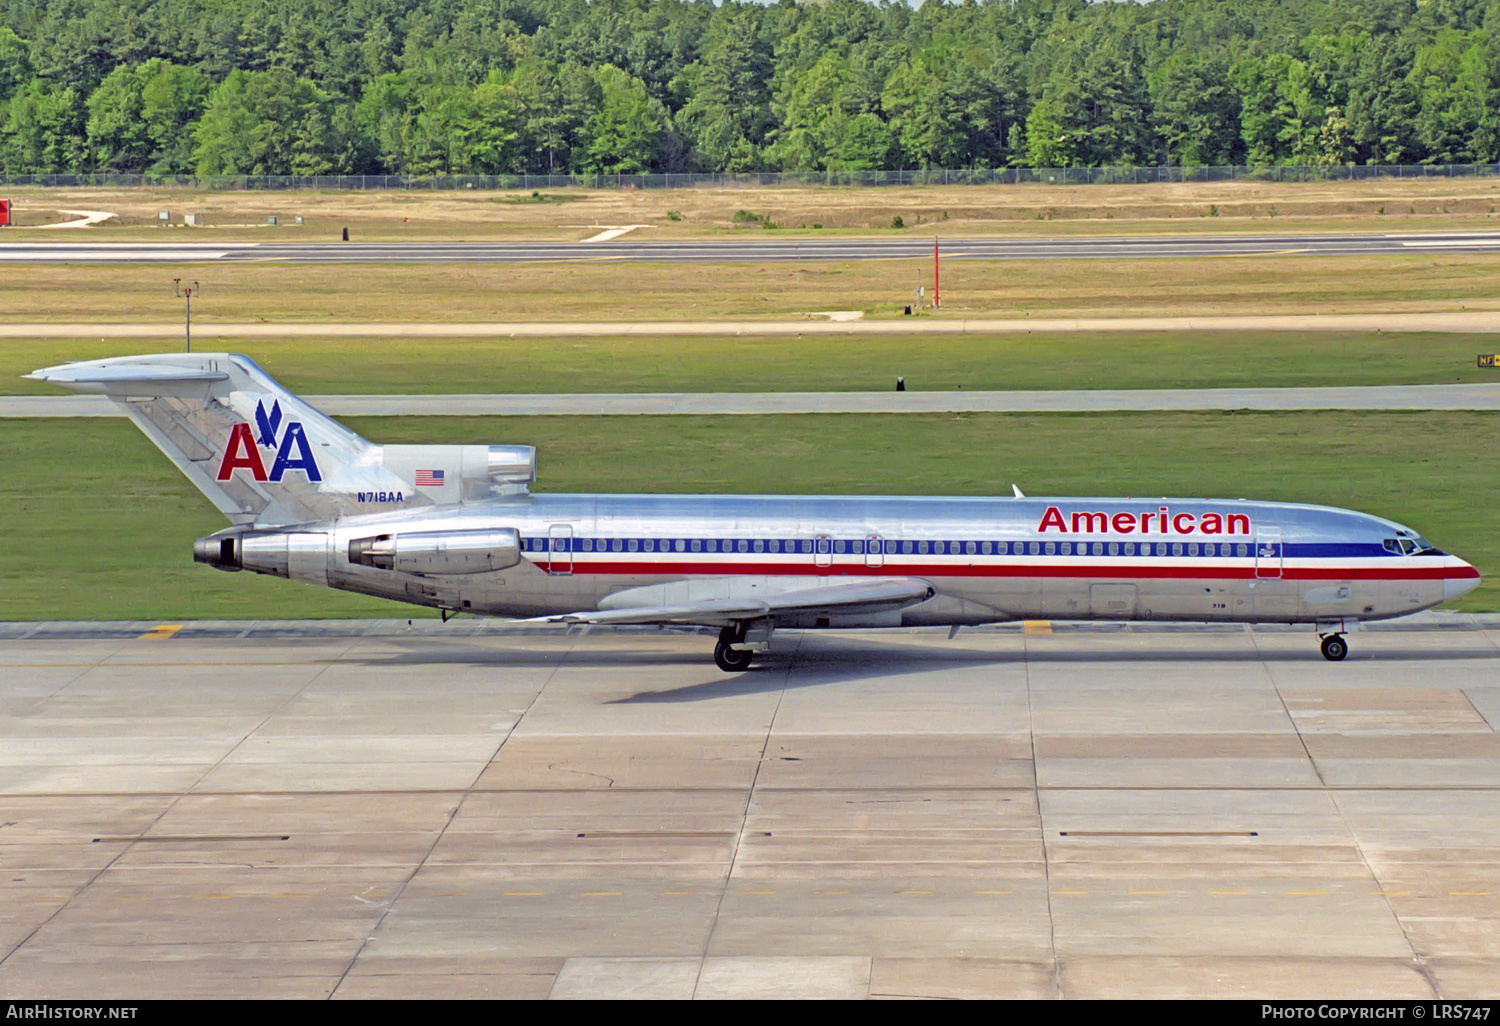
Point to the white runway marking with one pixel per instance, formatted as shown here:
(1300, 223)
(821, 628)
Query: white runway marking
(615, 233)
(84, 219)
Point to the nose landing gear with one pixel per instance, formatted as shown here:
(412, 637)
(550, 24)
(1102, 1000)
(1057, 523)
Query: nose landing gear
(1334, 647)
(732, 660)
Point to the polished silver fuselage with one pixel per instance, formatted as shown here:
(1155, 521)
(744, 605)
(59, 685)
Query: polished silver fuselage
(987, 559)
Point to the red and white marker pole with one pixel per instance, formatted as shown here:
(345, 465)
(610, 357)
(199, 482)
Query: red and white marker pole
(937, 295)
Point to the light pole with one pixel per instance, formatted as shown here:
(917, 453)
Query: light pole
(186, 294)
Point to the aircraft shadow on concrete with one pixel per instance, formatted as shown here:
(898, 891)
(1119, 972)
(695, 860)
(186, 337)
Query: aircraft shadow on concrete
(832, 661)
(830, 649)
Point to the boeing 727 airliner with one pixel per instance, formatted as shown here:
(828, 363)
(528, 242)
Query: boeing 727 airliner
(455, 527)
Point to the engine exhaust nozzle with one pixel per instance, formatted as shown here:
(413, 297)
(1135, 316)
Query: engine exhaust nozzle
(218, 550)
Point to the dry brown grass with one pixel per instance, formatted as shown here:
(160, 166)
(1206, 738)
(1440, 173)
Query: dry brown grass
(953, 211)
(610, 291)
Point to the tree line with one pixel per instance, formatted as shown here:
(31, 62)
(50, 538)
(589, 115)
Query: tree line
(621, 86)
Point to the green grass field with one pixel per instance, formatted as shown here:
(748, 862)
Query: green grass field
(98, 525)
(821, 363)
(613, 290)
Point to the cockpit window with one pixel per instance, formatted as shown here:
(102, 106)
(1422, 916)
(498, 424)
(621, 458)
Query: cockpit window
(1411, 546)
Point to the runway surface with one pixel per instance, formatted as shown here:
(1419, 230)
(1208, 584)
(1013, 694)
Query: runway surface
(473, 810)
(1448, 322)
(761, 249)
(1374, 397)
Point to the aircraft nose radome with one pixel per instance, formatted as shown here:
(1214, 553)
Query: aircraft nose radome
(1465, 580)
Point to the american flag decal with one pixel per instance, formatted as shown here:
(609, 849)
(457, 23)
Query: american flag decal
(429, 479)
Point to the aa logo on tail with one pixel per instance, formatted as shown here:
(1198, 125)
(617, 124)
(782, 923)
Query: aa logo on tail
(293, 451)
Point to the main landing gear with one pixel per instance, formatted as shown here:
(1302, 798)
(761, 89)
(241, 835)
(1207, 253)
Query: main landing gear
(732, 660)
(1334, 647)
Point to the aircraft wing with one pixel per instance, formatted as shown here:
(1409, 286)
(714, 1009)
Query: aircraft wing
(834, 598)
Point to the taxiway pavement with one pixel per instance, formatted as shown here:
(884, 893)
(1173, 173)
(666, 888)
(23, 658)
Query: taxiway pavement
(908, 245)
(1373, 397)
(476, 809)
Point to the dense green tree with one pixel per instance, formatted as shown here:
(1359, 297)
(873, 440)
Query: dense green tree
(1455, 80)
(1197, 111)
(729, 115)
(1382, 104)
(626, 134)
(440, 86)
(266, 123)
(1097, 112)
(558, 103)
(813, 118)
(15, 63)
(141, 118)
(1281, 115)
(43, 130)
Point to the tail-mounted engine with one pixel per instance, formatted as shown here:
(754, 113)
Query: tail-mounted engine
(456, 473)
(439, 552)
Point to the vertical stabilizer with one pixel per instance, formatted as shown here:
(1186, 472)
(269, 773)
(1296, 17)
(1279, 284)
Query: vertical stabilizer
(259, 453)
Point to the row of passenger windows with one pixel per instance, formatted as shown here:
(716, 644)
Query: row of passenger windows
(877, 546)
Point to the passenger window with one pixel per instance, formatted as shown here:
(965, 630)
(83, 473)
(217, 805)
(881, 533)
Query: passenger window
(697, 545)
(984, 548)
(1161, 548)
(1192, 548)
(1034, 548)
(1114, 548)
(970, 548)
(1049, 548)
(1242, 549)
(744, 546)
(632, 545)
(759, 545)
(922, 547)
(649, 544)
(1130, 548)
(1066, 548)
(906, 547)
(1177, 548)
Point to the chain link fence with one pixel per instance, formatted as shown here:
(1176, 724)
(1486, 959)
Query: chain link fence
(770, 179)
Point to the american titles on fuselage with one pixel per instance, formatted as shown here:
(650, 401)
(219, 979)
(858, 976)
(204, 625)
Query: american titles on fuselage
(1165, 521)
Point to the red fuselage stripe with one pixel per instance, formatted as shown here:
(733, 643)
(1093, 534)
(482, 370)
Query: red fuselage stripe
(1207, 573)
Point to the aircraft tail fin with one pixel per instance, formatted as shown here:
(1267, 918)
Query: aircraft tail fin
(265, 457)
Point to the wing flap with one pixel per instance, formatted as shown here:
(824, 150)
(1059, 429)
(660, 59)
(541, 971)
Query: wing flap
(841, 598)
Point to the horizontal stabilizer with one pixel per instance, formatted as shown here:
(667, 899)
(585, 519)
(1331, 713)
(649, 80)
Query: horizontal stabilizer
(131, 379)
